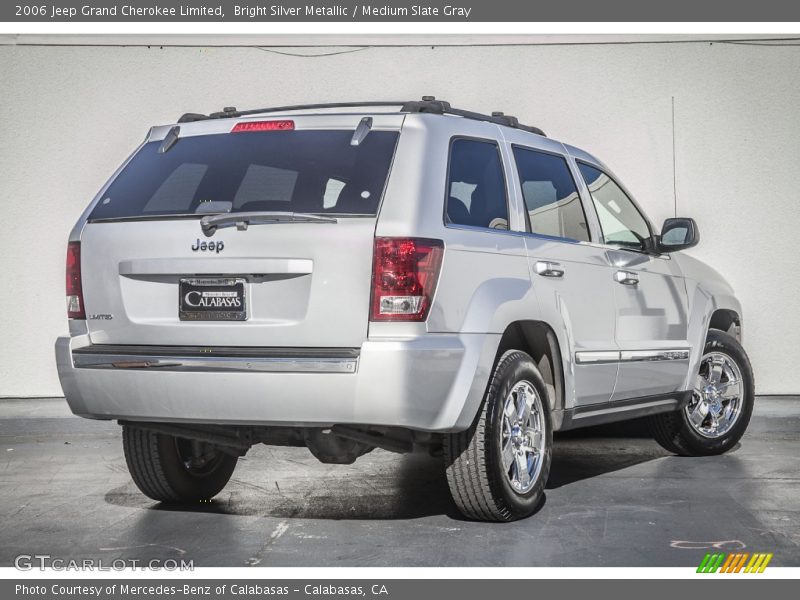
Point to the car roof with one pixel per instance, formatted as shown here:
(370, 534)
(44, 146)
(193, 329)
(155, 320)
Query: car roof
(428, 105)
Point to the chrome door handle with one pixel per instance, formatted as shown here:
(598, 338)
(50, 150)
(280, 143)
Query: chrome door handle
(626, 277)
(548, 269)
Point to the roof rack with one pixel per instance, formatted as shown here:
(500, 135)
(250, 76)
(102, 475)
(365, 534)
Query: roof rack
(428, 104)
(231, 112)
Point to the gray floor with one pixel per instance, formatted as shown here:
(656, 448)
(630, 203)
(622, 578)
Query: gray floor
(614, 498)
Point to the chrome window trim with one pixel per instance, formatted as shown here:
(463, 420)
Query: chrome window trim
(559, 240)
(477, 229)
(633, 250)
(529, 234)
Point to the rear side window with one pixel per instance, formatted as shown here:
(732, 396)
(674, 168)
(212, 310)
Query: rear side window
(315, 171)
(476, 187)
(551, 197)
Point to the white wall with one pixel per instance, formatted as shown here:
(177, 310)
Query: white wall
(69, 115)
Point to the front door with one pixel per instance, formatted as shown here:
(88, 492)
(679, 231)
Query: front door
(649, 295)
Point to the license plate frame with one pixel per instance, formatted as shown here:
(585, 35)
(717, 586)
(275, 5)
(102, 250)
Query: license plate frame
(207, 299)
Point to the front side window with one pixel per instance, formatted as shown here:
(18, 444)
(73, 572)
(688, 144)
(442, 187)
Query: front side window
(622, 223)
(476, 187)
(551, 197)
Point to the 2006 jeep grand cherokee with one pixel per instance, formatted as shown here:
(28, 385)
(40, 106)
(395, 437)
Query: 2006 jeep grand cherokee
(407, 276)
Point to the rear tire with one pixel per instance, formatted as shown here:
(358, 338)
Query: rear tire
(721, 405)
(175, 470)
(497, 469)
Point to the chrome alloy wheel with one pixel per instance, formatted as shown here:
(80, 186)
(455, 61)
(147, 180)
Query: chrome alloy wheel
(717, 396)
(523, 440)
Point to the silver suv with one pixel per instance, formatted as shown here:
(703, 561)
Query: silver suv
(407, 276)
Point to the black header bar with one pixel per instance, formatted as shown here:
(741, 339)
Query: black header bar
(457, 11)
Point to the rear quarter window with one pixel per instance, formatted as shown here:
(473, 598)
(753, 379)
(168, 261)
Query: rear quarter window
(476, 186)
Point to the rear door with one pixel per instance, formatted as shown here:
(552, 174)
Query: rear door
(572, 277)
(152, 276)
(649, 293)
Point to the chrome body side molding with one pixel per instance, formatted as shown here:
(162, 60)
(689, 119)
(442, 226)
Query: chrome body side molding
(586, 357)
(606, 356)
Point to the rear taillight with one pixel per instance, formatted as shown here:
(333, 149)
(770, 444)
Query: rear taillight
(75, 309)
(404, 276)
(283, 125)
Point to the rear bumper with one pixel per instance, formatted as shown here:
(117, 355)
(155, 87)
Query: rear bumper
(429, 383)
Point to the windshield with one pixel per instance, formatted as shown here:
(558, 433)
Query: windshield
(315, 171)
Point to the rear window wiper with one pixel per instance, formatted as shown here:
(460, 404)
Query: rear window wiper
(242, 220)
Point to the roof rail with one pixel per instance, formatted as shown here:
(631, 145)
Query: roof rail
(231, 112)
(428, 104)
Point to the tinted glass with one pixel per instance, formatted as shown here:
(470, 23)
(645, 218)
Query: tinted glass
(295, 171)
(621, 222)
(551, 197)
(476, 185)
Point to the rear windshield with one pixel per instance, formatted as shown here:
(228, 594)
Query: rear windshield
(292, 171)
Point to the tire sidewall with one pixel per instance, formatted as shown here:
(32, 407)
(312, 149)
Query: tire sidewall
(520, 368)
(718, 341)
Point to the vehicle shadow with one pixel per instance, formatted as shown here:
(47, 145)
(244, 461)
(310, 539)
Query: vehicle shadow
(391, 487)
(593, 451)
(383, 486)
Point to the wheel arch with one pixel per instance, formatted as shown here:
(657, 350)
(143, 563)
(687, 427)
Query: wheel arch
(538, 339)
(710, 308)
(727, 320)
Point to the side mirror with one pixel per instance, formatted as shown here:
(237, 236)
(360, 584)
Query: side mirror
(678, 234)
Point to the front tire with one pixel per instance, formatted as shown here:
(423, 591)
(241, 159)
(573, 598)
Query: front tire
(175, 470)
(497, 469)
(722, 401)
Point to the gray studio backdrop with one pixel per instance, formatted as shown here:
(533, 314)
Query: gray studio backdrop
(703, 129)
